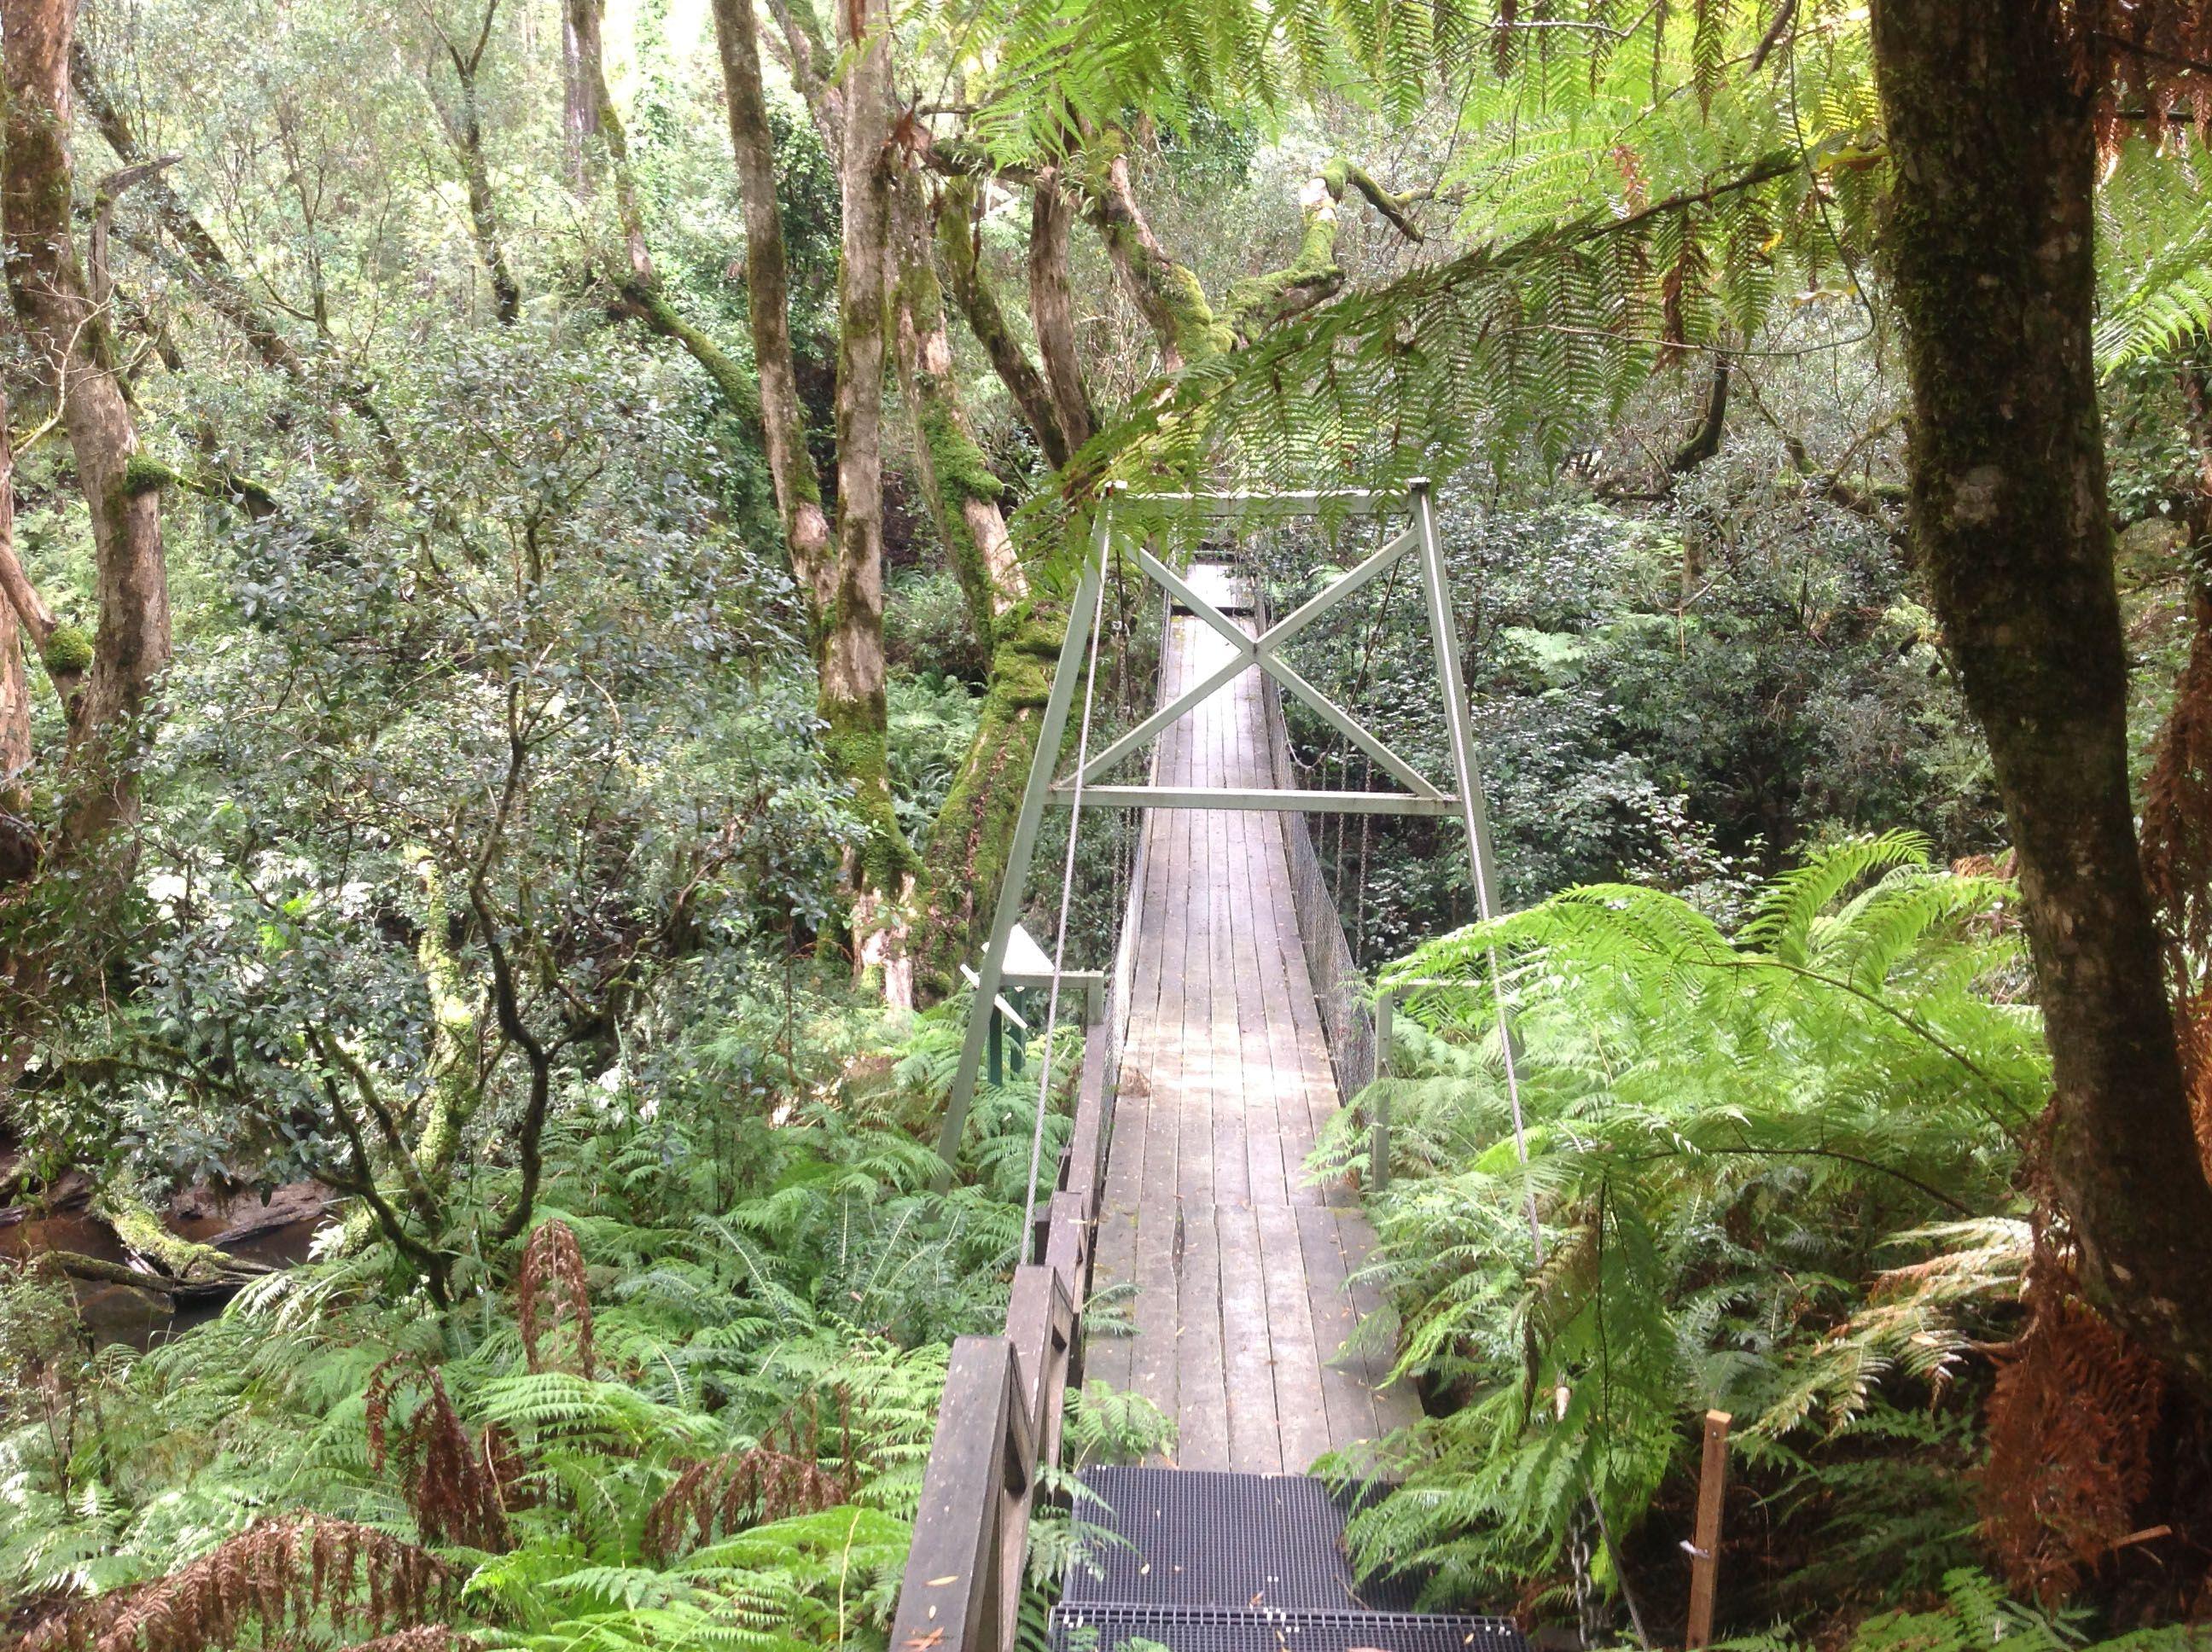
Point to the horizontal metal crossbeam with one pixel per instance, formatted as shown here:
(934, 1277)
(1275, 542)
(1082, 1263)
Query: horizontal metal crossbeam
(1241, 797)
(1349, 501)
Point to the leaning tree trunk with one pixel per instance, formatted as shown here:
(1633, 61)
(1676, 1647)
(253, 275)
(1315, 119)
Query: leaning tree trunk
(1165, 291)
(970, 836)
(1991, 245)
(958, 223)
(71, 337)
(606, 150)
(768, 296)
(851, 666)
(963, 491)
(1052, 308)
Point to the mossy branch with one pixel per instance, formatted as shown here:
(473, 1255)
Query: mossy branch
(142, 1233)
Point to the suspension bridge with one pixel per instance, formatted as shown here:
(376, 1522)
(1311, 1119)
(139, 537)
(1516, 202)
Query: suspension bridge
(1230, 1029)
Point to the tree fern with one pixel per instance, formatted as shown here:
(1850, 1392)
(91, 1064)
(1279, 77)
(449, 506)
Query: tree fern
(1729, 1138)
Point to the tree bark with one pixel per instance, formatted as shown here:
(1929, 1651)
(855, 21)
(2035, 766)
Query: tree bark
(579, 108)
(1166, 292)
(767, 293)
(1052, 308)
(808, 54)
(603, 128)
(19, 840)
(73, 338)
(637, 286)
(963, 491)
(851, 665)
(464, 124)
(955, 216)
(1991, 243)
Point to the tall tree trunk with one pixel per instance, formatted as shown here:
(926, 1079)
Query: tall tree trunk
(606, 150)
(580, 109)
(807, 52)
(956, 220)
(464, 123)
(1991, 243)
(767, 295)
(604, 130)
(851, 669)
(1052, 308)
(963, 491)
(72, 337)
(19, 840)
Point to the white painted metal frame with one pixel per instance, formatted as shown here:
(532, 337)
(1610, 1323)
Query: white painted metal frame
(1421, 797)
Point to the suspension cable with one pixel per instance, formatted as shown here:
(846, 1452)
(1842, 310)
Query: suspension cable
(1067, 896)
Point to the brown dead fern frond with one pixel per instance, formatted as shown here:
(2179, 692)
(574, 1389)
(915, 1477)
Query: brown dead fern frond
(456, 1487)
(2071, 1422)
(278, 1575)
(2193, 1036)
(2135, 56)
(783, 1474)
(553, 1269)
(423, 1637)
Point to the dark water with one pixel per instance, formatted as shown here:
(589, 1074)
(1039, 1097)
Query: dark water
(116, 1312)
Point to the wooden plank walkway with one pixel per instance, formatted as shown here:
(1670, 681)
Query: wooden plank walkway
(1240, 1261)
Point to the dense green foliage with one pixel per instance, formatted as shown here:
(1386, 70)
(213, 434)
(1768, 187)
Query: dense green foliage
(751, 1294)
(1731, 1139)
(488, 866)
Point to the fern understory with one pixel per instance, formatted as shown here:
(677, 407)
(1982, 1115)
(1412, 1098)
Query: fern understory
(696, 1417)
(1777, 1173)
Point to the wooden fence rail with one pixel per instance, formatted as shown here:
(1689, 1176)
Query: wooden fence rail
(1001, 1415)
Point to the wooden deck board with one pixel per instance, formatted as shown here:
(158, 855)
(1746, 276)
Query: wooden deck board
(1242, 1266)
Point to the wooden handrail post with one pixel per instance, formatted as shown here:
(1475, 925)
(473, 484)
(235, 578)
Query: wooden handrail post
(1706, 1547)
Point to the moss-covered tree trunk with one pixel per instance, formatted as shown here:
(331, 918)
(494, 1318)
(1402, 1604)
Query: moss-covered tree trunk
(957, 222)
(1991, 247)
(852, 666)
(767, 295)
(974, 829)
(72, 340)
(462, 117)
(963, 491)
(970, 838)
(1168, 292)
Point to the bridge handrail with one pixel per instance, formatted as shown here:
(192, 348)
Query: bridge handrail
(1005, 1395)
(1000, 1414)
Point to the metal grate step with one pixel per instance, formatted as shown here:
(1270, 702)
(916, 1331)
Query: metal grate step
(1180, 1537)
(1102, 1627)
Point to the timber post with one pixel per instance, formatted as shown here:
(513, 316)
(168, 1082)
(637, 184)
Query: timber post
(1706, 1547)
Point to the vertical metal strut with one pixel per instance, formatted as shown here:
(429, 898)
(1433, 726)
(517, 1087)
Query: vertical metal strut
(1474, 813)
(1014, 882)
